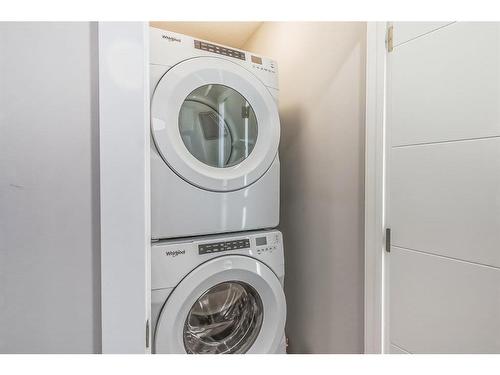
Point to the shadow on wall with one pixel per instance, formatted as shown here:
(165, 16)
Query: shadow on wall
(322, 106)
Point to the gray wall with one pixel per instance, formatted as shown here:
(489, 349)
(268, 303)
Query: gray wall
(49, 188)
(322, 83)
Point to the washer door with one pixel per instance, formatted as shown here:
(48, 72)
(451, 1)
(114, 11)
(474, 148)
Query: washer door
(215, 124)
(230, 304)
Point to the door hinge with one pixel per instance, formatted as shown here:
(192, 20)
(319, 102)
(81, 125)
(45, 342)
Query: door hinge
(388, 240)
(390, 39)
(147, 334)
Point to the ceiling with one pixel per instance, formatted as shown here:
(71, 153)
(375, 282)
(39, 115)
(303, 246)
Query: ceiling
(232, 34)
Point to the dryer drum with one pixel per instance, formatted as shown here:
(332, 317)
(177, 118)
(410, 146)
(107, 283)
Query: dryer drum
(210, 124)
(218, 126)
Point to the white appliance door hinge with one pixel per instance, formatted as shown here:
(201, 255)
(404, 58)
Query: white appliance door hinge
(389, 40)
(388, 240)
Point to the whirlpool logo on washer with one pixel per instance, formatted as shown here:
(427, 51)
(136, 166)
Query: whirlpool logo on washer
(174, 253)
(170, 38)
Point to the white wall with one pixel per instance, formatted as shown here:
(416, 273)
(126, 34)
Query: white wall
(49, 188)
(322, 83)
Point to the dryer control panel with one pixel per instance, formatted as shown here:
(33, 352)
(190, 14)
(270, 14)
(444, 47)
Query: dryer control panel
(169, 49)
(214, 48)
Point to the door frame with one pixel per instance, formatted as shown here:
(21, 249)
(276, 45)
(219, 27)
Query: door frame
(375, 330)
(125, 229)
(124, 186)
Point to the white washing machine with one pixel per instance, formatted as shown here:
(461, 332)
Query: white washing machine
(215, 133)
(219, 294)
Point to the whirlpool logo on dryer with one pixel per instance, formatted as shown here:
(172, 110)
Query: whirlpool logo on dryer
(174, 253)
(170, 38)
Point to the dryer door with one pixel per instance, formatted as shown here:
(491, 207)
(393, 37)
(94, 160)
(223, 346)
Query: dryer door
(215, 123)
(230, 304)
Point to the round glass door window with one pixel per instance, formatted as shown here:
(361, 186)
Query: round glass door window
(218, 126)
(226, 319)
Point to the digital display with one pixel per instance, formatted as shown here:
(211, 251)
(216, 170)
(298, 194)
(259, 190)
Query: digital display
(261, 241)
(257, 60)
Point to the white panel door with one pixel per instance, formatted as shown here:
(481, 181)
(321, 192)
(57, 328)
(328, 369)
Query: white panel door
(443, 305)
(445, 199)
(443, 189)
(394, 349)
(445, 85)
(406, 31)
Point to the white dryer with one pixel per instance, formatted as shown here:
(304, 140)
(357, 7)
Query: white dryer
(219, 294)
(215, 133)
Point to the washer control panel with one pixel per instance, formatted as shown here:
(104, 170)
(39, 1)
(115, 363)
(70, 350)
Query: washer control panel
(173, 259)
(267, 244)
(215, 247)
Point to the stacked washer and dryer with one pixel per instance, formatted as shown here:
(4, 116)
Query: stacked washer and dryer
(217, 268)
